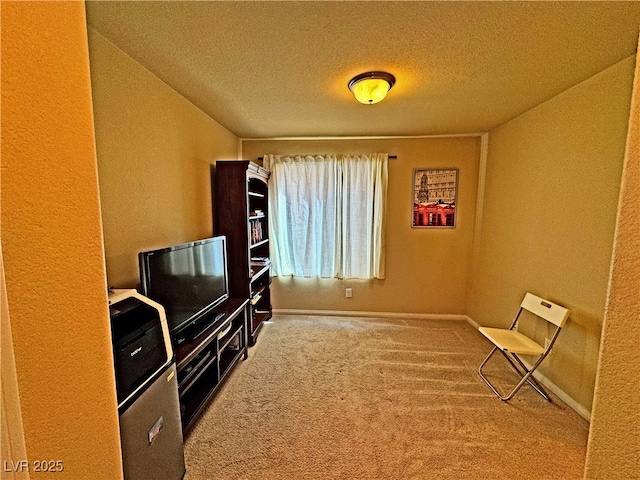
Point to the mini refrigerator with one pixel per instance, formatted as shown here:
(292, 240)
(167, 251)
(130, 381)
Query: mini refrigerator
(147, 389)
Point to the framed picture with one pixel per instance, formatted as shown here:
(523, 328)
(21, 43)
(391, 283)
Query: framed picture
(435, 192)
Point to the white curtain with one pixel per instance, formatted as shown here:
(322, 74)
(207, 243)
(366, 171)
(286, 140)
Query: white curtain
(327, 215)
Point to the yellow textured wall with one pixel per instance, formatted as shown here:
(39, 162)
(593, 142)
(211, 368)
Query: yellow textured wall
(52, 242)
(154, 150)
(614, 437)
(552, 184)
(427, 270)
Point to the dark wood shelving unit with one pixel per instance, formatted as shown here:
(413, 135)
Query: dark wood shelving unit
(240, 195)
(203, 363)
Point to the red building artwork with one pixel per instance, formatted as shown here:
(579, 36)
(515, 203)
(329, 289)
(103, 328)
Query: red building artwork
(433, 215)
(434, 197)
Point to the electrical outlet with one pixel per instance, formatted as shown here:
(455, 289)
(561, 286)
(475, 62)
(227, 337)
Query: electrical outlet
(348, 293)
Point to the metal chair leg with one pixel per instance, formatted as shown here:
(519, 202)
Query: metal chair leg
(532, 380)
(526, 377)
(485, 378)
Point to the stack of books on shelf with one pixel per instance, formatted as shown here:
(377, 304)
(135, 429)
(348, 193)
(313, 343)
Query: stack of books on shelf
(260, 261)
(256, 231)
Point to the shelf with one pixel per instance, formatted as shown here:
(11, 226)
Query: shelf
(257, 271)
(257, 292)
(191, 405)
(190, 370)
(256, 194)
(225, 343)
(257, 216)
(261, 316)
(257, 244)
(227, 360)
(197, 372)
(256, 324)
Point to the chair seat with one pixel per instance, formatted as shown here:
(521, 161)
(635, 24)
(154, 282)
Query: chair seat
(512, 341)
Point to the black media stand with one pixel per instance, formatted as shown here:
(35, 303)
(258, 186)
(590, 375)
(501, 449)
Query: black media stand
(192, 332)
(203, 361)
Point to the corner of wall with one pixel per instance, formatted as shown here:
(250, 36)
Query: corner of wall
(477, 230)
(614, 444)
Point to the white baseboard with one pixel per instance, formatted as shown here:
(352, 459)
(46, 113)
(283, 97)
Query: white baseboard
(357, 313)
(564, 396)
(473, 324)
(579, 409)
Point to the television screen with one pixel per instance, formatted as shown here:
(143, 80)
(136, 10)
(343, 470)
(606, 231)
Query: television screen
(188, 280)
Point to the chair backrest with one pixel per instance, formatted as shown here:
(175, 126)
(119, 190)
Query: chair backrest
(550, 311)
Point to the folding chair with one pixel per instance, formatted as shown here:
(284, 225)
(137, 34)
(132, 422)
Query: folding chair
(511, 343)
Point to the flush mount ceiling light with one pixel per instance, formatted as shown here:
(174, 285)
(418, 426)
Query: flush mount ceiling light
(371, 87)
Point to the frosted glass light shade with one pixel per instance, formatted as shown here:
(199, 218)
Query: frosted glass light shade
(370, 88)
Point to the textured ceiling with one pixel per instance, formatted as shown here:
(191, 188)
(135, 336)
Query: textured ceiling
(280, 69)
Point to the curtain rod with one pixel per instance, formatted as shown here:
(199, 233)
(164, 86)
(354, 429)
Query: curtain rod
(390, 156)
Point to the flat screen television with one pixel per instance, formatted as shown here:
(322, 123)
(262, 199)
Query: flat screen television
(189, 280)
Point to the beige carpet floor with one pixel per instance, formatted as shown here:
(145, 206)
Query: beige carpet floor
(386, 399)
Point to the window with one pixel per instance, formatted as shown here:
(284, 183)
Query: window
(327, 215)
